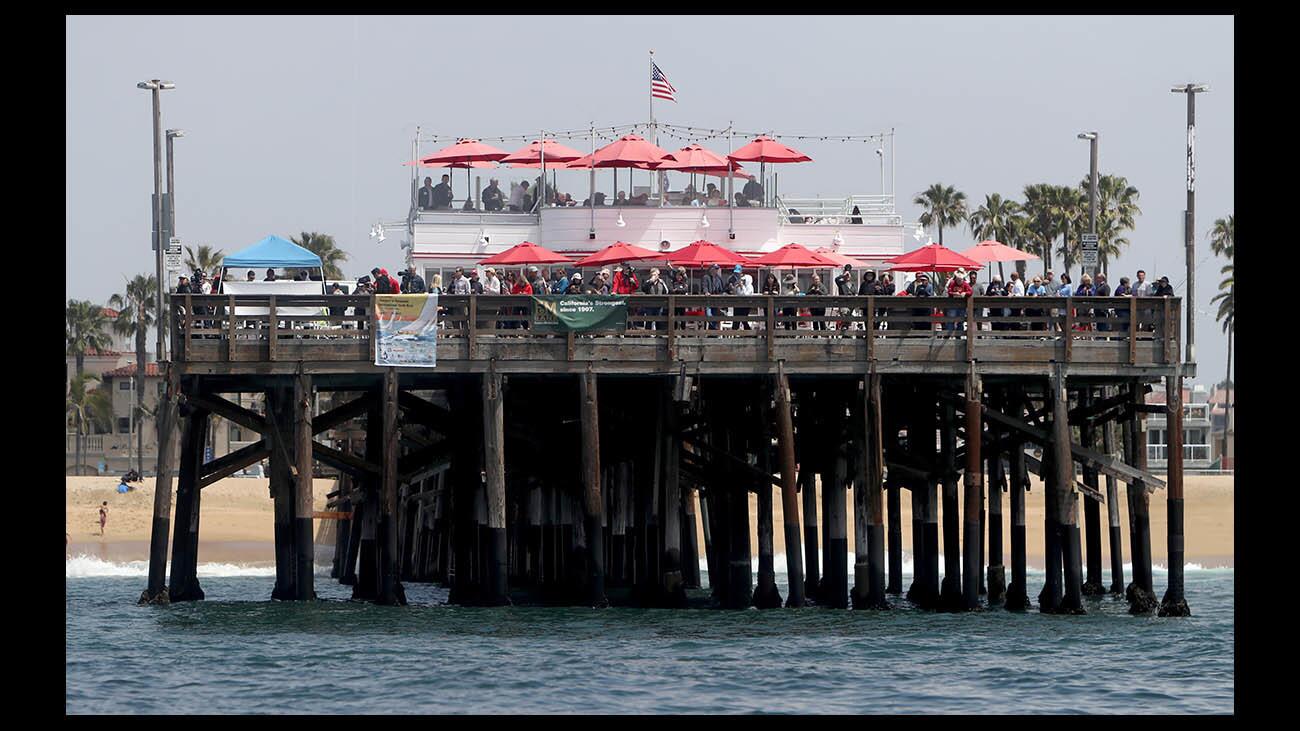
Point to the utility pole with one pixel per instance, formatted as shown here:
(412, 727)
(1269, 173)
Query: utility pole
(1092, 193)
(171, 186)
(1189, 220)
(155, 86)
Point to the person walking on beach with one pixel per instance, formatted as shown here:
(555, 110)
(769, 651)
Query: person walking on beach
(103, 517)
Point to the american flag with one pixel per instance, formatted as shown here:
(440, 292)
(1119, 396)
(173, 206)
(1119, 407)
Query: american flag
(659, 85)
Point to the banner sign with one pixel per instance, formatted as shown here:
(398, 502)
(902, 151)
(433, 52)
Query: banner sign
(408, 330)
(579, 313)
(280, 286)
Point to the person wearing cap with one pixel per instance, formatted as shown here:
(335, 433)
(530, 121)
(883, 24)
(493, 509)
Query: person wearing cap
(744, 287)
(537, 281)
(475, 285)
(601, 283)
(920, 287)
(958, 286)
(654, 285)
(995, 288)
(844, 282)
(625, 281)
(711, 283)
(1163, 288)
(575, 284)
(790, 288)
(491, 282)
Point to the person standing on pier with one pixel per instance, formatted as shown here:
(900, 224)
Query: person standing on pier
(442, 193)
(493, 198)
(559, 282)
(711, 284)
(424, 197)
(1142, 288)
(491, 282)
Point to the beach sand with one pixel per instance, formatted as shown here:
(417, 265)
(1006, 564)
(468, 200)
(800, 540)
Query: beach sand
(236, 520)
(237, 517)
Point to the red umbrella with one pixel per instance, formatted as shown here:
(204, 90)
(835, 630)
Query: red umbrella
(531, 155)
(617, 252)
(475, 164)
(791, 255)
(704, 253)
(932, 258)
(836, 259)
(990, 251)
(526, 253)
(766, 149)
(629, 151)
(465, 150)
(693, 156)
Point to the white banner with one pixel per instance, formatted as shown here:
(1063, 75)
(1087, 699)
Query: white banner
(408, 330)
(286, 286)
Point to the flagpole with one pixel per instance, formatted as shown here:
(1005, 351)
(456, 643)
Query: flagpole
(654, 129)
(731, 177)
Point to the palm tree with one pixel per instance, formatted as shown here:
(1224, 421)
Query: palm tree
(943, 206)
(1040, 225)
(323, 245)
(1223, 243)
(997, 220)
(86, 404)
(205, 259)
(1117, 212)
(84, 323)
(1069, 208)
(136, 316)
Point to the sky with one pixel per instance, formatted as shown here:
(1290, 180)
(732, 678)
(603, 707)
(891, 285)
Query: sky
(301, 123)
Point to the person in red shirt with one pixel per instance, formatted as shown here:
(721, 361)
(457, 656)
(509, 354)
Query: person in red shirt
(958, 286)
(625, 281)
(516, 284)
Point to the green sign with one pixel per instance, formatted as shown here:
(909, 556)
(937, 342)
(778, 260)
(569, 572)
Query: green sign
(579, 313)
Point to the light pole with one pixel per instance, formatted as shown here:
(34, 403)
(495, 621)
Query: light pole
(1092, 187)
(171, 185)
(880, 154)
(130, 436)
(1189, 222)
(155, 86)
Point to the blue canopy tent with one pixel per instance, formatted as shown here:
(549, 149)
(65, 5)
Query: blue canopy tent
(273, 252)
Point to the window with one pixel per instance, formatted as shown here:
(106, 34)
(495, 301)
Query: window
(124, 384)
(123, 425)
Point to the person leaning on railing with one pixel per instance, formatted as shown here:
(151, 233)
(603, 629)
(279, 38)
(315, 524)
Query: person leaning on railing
(815, 289)
(1125, 313)
(1102, 289)
(958, 286)
(1036, 289)
(996, 288)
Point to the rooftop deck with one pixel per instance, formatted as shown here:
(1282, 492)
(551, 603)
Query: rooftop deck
(1092, 337)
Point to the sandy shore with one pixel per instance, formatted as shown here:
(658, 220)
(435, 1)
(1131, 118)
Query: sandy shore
(237, 521)
(237, 524)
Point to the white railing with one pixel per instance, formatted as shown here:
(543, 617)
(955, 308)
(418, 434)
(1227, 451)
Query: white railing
(1191, 452)
(872, 209)
(89, 443)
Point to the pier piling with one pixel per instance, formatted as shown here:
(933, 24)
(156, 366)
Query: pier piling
(1174, 604)
(155, 591)
(495, 588)
(950, 593)
(593, 510)
(1017, 598)
(974, 479)
(1067, 500)
(1115, 539)
(184, 584)
(1091, 508)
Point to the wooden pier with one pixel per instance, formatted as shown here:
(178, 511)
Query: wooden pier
(572, 468)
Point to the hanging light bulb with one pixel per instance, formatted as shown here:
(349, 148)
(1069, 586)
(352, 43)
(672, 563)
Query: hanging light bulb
(620, 222)
(837, 240)
(704, 220)
(919, 233)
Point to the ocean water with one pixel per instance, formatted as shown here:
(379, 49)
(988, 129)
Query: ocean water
(239, 652)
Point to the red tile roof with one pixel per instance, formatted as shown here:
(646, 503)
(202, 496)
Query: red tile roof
(92, 353)
(150, 371)
(109, 311)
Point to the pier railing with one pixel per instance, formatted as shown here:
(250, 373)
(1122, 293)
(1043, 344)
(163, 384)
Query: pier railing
(1121, 331)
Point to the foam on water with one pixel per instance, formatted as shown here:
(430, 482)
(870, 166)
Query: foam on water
(84, 567)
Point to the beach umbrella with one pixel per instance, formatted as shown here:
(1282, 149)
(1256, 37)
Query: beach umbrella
(530, 156)
(791, 255)
(764, 149)
(466, 150)
(526, 253)
(987, 252)
(932, 258)
(704, 253)
(628, 151)
(618, 252)
(836, 259)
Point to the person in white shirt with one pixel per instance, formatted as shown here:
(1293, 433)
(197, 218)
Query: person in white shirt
(516, 197)
(491, 283)
(1141, 288)
(1017, 287)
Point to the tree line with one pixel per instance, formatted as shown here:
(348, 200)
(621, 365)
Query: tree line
(1048, 222)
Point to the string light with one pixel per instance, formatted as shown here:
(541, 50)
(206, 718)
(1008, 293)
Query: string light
(684, 133)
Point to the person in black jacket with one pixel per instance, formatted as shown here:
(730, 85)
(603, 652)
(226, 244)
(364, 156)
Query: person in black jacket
(442, 193)
(424, 196)
(412, 283)
(711, 283)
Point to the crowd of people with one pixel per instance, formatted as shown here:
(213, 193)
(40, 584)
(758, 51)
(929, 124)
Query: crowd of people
(625, 279)
(522, 197)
